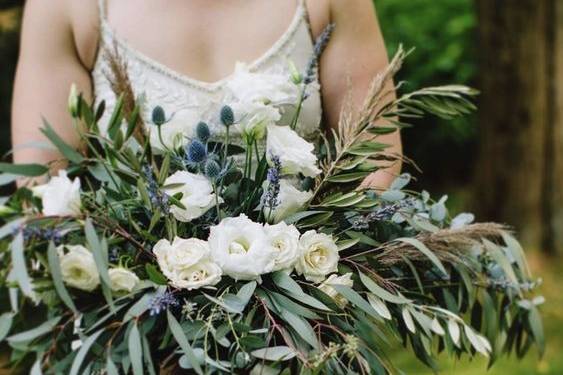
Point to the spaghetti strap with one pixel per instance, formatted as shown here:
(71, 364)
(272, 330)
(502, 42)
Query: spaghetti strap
(102, 9)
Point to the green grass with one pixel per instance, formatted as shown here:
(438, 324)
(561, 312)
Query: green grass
(551, 272)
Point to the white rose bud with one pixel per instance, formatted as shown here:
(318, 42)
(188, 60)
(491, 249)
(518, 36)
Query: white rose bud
(285, 241)
(197, 195)
(296, 154)
(78, 267)
(327, 287)
(187, 263)
(122, 280)
(254, 118)
(319, 256)
(60, 196)
(241, 248)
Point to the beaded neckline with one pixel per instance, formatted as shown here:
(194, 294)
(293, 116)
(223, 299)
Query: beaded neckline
(108, 35)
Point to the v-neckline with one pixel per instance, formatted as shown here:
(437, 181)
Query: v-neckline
(194, 82)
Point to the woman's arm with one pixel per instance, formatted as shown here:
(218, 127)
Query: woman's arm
(355, 54)
(47, 66)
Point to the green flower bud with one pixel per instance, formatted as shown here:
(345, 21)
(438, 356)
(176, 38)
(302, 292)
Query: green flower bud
(73, 101)
(296, 76)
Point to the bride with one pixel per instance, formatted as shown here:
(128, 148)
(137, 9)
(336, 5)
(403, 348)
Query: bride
(182, 56)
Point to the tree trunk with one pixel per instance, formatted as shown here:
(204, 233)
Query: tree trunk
(520, 172)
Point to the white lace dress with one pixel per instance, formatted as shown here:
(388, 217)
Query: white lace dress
(189, 100)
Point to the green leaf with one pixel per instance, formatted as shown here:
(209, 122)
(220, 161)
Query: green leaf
(111, 369)
(55, 267)
(34, 333)
(348, 177)
(316, 220)
(182, 340)
(302, 327)
(155, 275)
(132, 123)
(380, 292)
(65, 149)
(20, 269)
(534, 319)
(28, 170)
(83, 351)
(139, 307)
(274, 353)
(96, 248)
(360, 237)
(285, 282)
(356, 299)
(6, 320)
(426, 251)
(135, 350)
(246, 292)
(114, 123)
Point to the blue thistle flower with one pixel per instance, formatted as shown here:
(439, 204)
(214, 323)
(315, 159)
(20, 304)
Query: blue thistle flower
(227, 116)
(196, 152)
(31, 233)
(202, 132)
(162, 302)
(158, 116)
(212, 169)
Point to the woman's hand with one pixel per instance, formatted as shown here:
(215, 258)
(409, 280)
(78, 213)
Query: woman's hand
(354, 56)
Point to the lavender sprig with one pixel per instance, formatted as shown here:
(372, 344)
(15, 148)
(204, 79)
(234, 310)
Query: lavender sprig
(159, 199)
(271, 197)
(161, 302)
(320, 46)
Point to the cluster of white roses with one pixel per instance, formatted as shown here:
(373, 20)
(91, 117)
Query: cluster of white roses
(245, 250)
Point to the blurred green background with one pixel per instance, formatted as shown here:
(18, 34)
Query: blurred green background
(447, 38)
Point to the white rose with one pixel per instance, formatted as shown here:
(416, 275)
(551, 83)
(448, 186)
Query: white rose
(241, 248)
(186, 263)
(318, 256)
(296, 154)
(197, 195)
(290, 201)
(78, 267)
(176, 131)
(265, 87)
(253, 118)
(285, 240)
(122, 280)
(327, 287)
(60, 196)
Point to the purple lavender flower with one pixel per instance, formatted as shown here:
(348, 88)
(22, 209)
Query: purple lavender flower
(271, 197)
(320, 46)
(158, 198)
(162, 302)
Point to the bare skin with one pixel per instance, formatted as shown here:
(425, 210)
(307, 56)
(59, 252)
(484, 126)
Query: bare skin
(199, 38)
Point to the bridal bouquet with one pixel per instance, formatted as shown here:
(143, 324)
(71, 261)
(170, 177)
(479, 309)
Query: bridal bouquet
(160, 251)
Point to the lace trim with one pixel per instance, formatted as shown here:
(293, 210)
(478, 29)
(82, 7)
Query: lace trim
(108, 35)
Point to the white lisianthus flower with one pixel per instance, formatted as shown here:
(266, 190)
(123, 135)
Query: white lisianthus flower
(327, 287)
(285, 240)
(187, 263)
(296, 154)
(78, 267)
(290, 201)
(264, 87)
(60, 196)
(197, 195)
(253, 118)
(175, 131)
(318, 256)
(241, 248)
(122, 280)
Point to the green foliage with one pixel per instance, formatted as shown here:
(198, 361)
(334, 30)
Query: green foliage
(443, 33)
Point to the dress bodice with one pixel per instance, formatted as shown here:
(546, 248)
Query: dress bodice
(190, 100)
